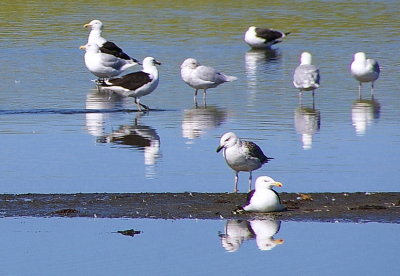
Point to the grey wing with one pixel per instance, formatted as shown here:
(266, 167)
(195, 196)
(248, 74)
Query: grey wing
(306, 74)
(112, 61)
(207, 73)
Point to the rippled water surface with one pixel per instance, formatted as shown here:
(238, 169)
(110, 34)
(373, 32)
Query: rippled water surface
(58, 134)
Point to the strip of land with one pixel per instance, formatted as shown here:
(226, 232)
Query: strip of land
(324, 207)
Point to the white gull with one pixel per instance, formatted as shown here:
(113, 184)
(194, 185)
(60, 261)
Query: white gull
(306, 76)
(137, 84)
(364, 70)
(105, 46)
(263, 38)
(202, 77)
(103, 65)
(263, 198)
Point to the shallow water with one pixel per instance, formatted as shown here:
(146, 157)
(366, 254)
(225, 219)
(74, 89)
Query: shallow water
(63, 246)
(59, 135)
(52, 143)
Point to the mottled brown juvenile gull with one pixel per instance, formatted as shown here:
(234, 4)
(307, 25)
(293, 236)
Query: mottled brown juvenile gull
(263, 198)
(105, 46)
(262, 38)
(137, 84)
(202, 77)
(241, 155)
(306, 76)
(364, 70)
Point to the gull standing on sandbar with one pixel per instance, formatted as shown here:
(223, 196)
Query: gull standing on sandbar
(263, 198)
(263, 38)
(105, 46)
(365, 70)
(137, 84)
(241, 155)
(306, 76)
(202, 77)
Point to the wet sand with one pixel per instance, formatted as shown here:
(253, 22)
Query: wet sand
(327, 207)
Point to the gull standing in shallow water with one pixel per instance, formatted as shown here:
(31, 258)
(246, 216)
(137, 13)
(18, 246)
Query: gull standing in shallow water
(263, 38)
(137, 84)
(105, 46)
(241, 155)
(306, 76)
(202, 77)
(364, 70)
(104, 65)
(263, 198)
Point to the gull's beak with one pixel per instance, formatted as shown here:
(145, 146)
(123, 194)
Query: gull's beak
(83, 47)
(220, 148)
(87, 25)
(157, 62)
(279, 241)
(278, 184)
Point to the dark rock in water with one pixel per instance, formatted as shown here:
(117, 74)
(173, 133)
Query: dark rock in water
(129, 232)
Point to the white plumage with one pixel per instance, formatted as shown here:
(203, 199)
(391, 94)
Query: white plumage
(105, 46)
(262, 38)
(364, 70)
(306, 76)
(263, 198)
(241, 155)
(104, 65)
(202, 77)
(137, 84)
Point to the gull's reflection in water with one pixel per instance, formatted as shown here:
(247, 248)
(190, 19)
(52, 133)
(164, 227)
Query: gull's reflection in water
(307, 121)
(197, 121)
(363, 113)
(139, 136)
(258, 58)
(238, 231)
(95, 100)
(135, 135)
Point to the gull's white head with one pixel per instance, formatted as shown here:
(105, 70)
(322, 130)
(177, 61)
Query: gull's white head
(94, 25)
(306, 58)
(90, 48)
(360, 56)
(190, 63)
(266, 182)
(227, 140)
(150, 62)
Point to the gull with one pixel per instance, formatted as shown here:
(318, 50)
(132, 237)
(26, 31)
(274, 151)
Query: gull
(364, 70)
(105, 46)
(263, 198)
(241, 155)
(202, 77)
(306, 76)
(263, 38)
(104, 65)
(264, 231)
(137, 84)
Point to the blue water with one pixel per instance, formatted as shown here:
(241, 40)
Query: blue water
(82, 246)
(49, 143)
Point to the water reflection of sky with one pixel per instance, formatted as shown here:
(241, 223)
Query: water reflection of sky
(340, 145)
(88, 246)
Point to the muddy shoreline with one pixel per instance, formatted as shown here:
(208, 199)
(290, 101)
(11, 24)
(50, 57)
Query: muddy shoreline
(323, 207)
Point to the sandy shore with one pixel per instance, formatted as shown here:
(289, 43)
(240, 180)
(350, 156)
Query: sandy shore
(329, 207)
